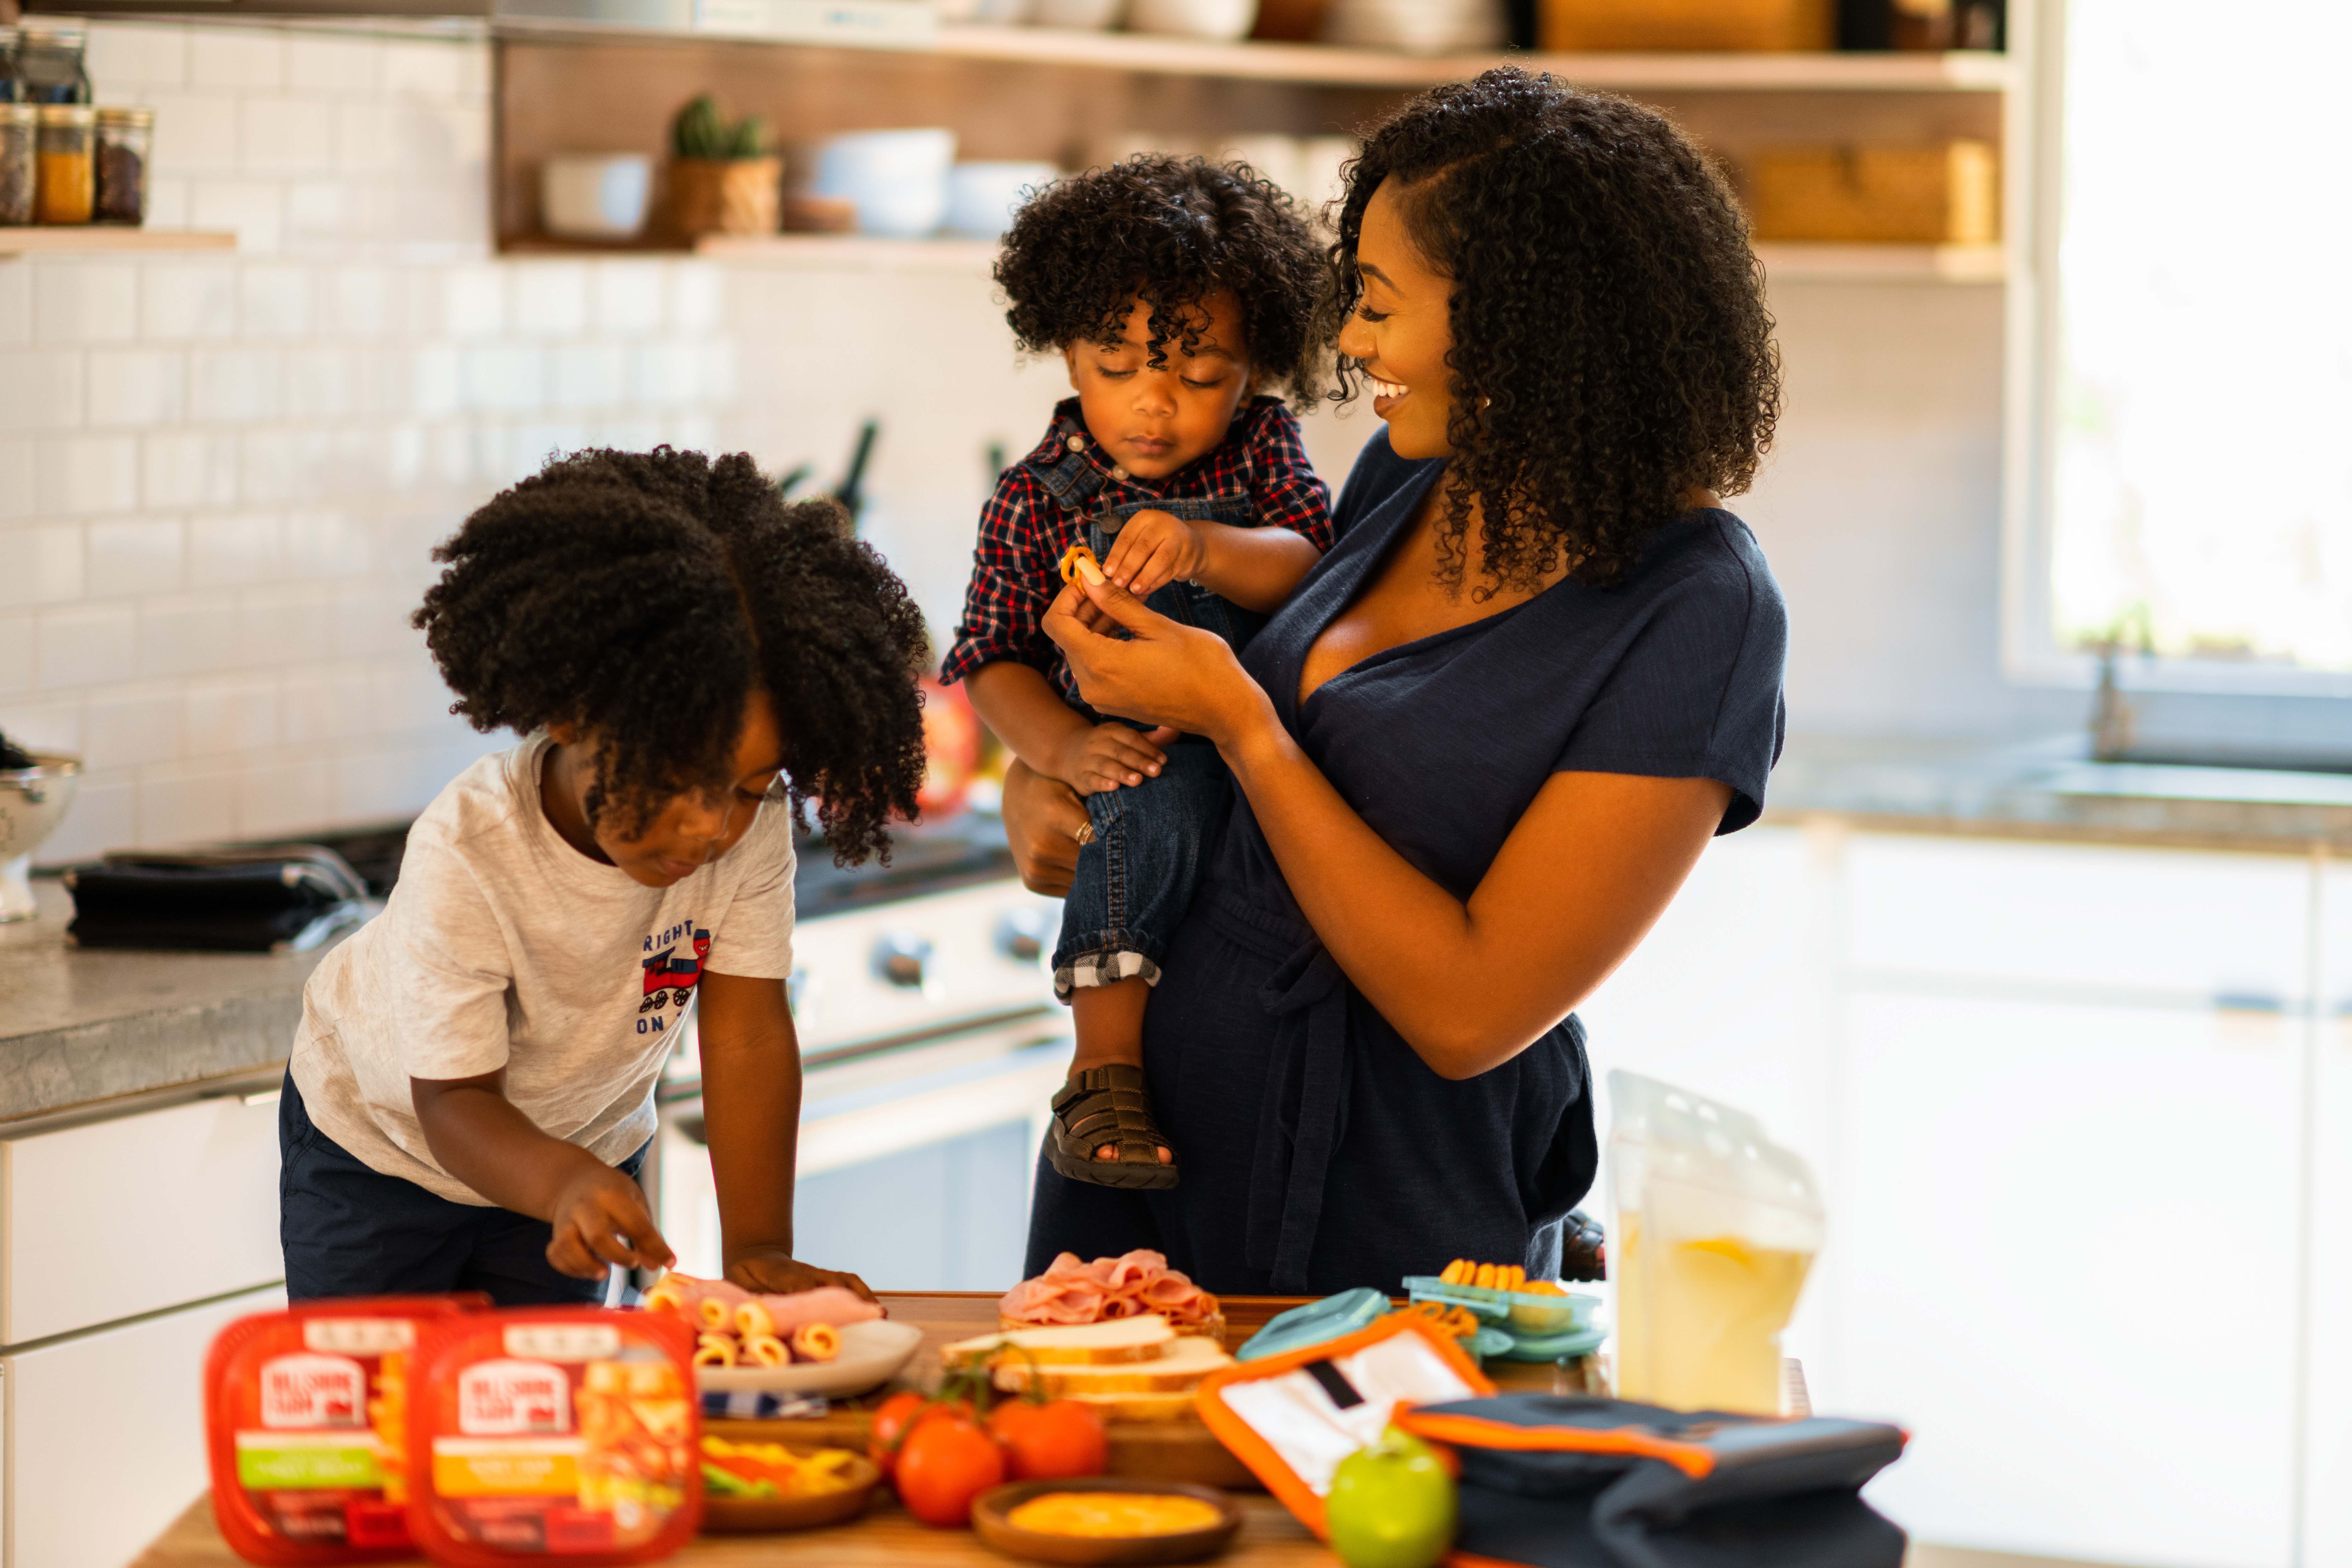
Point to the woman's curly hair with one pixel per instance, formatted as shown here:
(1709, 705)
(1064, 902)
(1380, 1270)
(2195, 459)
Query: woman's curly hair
(644, 596)
(1611, 347)
(1174, 231)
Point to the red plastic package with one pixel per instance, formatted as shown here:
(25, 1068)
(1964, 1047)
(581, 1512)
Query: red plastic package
(570, 1432)
(307, 1417)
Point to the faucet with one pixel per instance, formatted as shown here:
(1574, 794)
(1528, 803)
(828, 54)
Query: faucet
(2111, 713)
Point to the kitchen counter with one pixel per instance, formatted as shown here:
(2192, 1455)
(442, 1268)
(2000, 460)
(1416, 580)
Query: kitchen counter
(2051, 789)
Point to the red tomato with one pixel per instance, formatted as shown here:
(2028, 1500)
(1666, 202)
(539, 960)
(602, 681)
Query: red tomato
(946, 1461)
(890, 1421)
(1052, 1441)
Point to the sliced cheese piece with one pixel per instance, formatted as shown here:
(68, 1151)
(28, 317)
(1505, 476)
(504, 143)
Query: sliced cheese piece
(1176, 1406)
(1079, 1345)
(1178, 1368)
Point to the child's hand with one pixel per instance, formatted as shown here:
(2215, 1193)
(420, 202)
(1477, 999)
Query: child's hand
(601, 1217)
(1153, 549)
(1106, 756)
(776, 1272)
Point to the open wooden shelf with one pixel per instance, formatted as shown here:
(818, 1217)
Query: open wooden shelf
(1327, 64)
(1792, 262)
(65, 239)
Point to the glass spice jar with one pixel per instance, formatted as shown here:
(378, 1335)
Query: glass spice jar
(12, 89)
(125, 137)
(67, 188)
(50, 61)
(19, 131)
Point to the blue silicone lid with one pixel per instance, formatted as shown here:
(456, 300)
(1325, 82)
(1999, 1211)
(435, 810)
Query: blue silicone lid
(1315, 1322)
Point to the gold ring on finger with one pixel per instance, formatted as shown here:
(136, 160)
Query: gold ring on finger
(1086, 832)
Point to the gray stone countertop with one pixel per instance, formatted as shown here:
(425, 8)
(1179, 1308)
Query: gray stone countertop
(2051, 788)
(88, 1026)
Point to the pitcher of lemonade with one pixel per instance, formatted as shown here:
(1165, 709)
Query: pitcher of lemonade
(1716, 1226)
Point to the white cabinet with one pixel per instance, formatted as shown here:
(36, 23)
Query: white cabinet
(114, 1218)
(106, 1436)
(2327, 1500)
(2069, 1268)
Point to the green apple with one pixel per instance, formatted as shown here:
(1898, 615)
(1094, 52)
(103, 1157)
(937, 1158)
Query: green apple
(1391, 1505)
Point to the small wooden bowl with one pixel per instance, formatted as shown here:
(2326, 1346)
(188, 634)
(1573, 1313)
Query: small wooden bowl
(744, 1516)
(989, 1509)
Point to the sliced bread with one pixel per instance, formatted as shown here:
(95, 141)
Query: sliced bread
(1177, 1369)
(1178, 1405)
(1119, 1341)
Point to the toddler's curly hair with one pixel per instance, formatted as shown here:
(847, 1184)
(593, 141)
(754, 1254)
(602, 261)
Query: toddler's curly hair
(644, 596)
(1174, 231)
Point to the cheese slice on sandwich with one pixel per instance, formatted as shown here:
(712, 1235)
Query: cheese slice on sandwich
(1118, 1341)
(1178, 1369)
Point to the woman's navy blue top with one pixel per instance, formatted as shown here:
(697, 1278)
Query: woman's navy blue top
(1317, 1151)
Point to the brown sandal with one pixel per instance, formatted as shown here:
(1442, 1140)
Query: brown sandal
(1108, 1105)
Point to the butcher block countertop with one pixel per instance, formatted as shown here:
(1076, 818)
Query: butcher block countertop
(1270, 1538)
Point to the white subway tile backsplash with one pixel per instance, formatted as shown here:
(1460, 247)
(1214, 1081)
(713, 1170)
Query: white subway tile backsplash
(286, 136)
(363, 302)
(323, 211)
(230, 386)
(125, 558)
(321, 383)
(42, 391)
(473, 302)
(195, 132)
(379, 786)
(190, 297)
(324, 544)
(367, 136)
(15, 479)
(588, 375)
(437, 374)
(254, 209)
(697, 296)
(628, 297)
(128, 55)
(87, 645)
(233, 549)
(44, 565)
(135, 386)
(551, 299)
(16, 655)
(270, 465)
(319, 705)
(130, 725)
(314, 64)
(185, 635)
(284, 795)
(274, 301)
(79, 301)
(188, 468)
(105, 816)
(80, 475)
(237, 57)
(16, 303)
(186, 805)
(505, 379)
(44, 726)
(168, 202)
(284, 626)
(666, 373)
(232, 714)
(434, 72)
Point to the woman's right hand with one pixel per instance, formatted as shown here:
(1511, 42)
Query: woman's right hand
(1042, 819)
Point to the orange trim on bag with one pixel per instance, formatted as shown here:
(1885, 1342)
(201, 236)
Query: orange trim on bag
(1694, 1460)
(1471, 1559)
(1255, 1451)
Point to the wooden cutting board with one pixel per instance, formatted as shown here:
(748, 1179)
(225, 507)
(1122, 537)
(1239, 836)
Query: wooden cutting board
(1170, 1450)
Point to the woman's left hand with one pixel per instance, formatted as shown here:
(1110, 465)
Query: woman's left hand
(1169, 674)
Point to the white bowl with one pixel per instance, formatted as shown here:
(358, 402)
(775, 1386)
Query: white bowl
(982, 197)
(1415, 26)
(1221, 20)
(899, 179)
(32, 801)
(871, 1354)
(595, 197)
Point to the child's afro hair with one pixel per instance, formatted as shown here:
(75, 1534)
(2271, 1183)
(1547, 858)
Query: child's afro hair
(1174, 231)
(644, 596)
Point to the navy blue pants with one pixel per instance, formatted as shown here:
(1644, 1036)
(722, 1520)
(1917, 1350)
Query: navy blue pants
(348, 1229)
(1135, 881)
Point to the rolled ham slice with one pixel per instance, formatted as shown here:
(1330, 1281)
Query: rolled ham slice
(1074, 1291)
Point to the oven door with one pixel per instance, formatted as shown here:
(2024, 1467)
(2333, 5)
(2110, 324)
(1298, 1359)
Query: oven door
(916, 1159)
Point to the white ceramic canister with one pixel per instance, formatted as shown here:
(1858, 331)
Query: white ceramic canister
(982, 197)
(899, 179)
(1220, 20)
(599, 195)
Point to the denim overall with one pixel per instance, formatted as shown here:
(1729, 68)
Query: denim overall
(1135, 881)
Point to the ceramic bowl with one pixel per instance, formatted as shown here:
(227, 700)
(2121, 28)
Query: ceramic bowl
(595, 197)
(732, 1516)
(32, 801)
(1219, 20)
(871, 1354)
(989, 1522)
(1083, 15)
(899, 179)
(982, 197)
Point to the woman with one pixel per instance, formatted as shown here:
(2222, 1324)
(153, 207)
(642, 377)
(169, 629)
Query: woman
(1483, 743)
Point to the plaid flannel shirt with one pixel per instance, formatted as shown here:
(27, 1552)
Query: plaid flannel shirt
(1024, 529)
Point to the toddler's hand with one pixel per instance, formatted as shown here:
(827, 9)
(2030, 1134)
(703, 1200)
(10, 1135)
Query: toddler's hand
(601, 1217)
(771, 1272)
(1153, 549)
(1108, 756)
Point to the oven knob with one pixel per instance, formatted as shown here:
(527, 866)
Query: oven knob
(901, 958)
(1021, 935)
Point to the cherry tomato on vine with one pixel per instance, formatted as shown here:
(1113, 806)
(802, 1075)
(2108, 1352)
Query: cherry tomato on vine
(1050, 1442)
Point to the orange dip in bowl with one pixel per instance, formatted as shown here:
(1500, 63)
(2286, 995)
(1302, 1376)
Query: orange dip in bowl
(1114, 1514)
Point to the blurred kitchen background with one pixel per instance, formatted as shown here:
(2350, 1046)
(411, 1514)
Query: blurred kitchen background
(2043, 956)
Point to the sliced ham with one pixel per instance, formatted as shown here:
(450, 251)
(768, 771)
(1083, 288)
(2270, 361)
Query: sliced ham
(827, 1304)
(1107, 1289)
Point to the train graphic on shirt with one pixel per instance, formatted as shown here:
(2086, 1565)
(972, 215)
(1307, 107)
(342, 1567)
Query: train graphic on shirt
(670, 978)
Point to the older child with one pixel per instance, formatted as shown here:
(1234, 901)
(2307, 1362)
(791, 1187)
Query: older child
(1175, 291)
(688, 661)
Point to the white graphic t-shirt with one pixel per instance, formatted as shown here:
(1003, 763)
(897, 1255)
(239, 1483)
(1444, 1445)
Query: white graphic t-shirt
(503, 946)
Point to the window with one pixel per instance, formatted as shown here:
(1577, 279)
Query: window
(2196, 388)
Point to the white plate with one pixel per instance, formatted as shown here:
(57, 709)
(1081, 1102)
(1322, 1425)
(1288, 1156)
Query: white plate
(871, 1354)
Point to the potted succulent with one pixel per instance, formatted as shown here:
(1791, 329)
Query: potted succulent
(722, 177)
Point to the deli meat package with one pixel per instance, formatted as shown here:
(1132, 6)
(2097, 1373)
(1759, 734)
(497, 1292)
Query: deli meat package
(555, 1431)
(307, 1417)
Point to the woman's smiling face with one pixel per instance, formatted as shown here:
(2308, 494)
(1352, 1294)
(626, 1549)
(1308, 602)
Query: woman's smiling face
(1402, 330)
